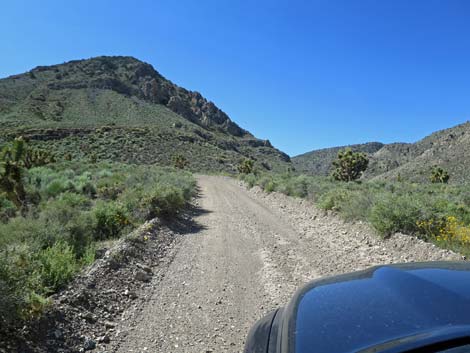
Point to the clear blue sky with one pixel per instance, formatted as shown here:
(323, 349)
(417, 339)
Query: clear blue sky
(305, 74)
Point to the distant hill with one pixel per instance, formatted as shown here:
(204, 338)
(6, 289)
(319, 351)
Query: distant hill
(318, 162)
(449, 149)
(122, 109)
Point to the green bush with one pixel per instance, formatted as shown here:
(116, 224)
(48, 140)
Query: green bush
(357, 206)
(164, 202)
(396, 214)
(7, 209)
(10, 299)
(57, 265)
(58, 186)
(270, 186)
(250, 179)
(111, 219)
(334, 199)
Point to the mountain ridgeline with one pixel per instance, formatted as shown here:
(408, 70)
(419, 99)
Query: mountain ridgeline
(122, 109)
(448, 149)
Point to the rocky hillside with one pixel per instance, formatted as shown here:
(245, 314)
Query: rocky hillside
(319, 162)
(449, 149)
(120, 108)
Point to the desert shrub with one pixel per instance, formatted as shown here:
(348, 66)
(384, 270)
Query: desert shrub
(393, 213)
(357, 206)
(10, 298)
(250, 180)
(296, 186)
(88, 256)
(263, 181)
(34, 306)
(7, 209)
(111, 219)
(79, 232)
(58, 186)
(109, 192)
(57, 265)
(65, 207)
(447, 232)
(270, 186)
(34, 231)
(163, 202)
(334, 199)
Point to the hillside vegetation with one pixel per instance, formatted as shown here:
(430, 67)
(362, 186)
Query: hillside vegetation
(448, 149)
(122, 109)
(66, 211)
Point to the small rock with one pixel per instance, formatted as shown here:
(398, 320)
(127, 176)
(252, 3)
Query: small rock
(104, 339)
(145, 268)
(142, 276)
(108, 325)
(58, 334)
(89, 344)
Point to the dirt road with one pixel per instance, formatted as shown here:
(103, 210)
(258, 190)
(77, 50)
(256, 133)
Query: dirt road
(251, 252)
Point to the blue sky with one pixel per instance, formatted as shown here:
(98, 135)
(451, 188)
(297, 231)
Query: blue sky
(305, 74)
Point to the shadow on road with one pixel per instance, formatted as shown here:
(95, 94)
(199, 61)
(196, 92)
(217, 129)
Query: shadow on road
(186, 224)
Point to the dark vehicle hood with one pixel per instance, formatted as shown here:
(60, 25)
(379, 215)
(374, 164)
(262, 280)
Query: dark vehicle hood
(385, 308)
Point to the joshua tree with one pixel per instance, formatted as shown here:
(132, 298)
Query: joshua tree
(349, 165)
(246, 167)
(37, 158)
(15, 158)
(180, 162)
(439, 175)
(12, 170)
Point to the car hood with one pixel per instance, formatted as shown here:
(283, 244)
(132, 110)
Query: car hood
(384, 308)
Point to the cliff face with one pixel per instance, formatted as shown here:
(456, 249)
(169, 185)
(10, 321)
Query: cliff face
(124, 75)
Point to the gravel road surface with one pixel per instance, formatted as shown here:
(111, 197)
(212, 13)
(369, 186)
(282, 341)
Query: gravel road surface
(251, 252)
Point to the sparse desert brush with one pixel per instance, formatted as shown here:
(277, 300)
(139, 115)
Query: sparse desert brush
(42, 249)
(446, 230)
(334, 199)
(57, 266)
(111, 219)
(393, 213)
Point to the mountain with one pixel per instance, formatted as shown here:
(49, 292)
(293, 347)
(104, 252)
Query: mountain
(448, 149)
(120, 108)
(318, 162)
